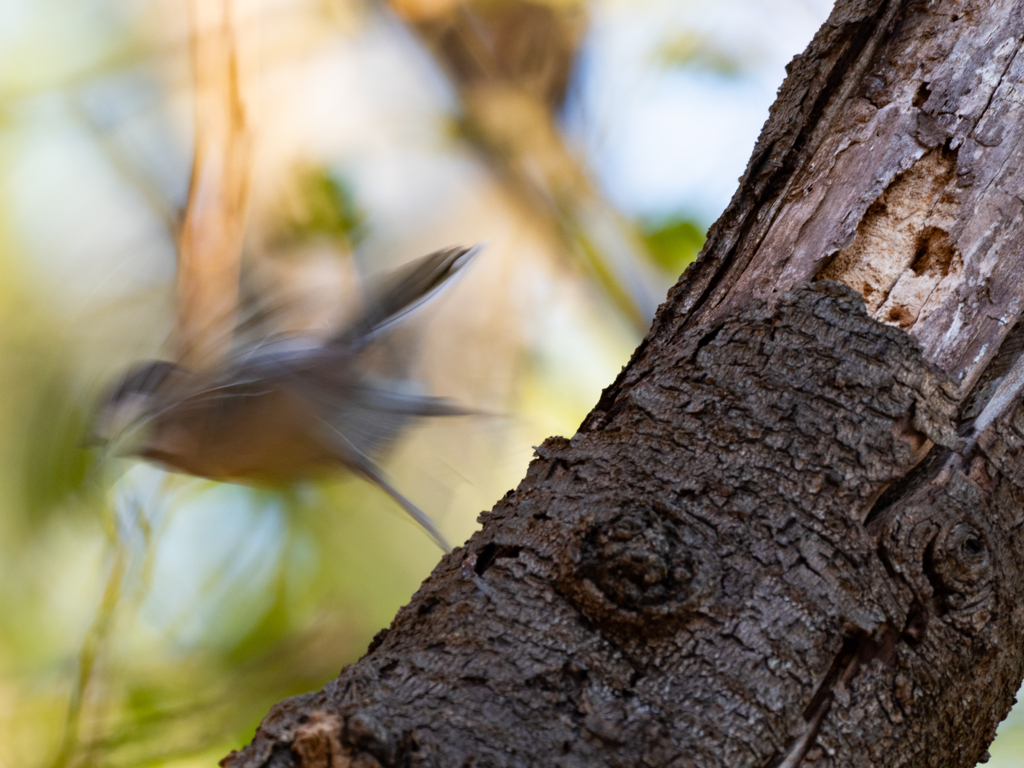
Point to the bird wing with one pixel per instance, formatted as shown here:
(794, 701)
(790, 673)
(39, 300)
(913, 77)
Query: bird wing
(402, 292)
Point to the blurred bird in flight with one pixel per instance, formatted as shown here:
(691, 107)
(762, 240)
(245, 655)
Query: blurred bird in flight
(288, 407)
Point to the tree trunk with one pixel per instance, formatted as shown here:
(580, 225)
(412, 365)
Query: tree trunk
(792, 530)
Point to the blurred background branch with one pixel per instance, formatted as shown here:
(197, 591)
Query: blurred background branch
(210, 244)
(511, 64)
(93, 645)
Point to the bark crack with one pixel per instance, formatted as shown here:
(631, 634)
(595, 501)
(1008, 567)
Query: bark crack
(999, 82)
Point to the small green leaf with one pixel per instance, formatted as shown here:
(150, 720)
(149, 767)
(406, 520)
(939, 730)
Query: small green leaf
(673, 243)
(694, 51)
(323, 207)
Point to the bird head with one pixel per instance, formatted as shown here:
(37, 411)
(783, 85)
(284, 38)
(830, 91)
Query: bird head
(127, 407)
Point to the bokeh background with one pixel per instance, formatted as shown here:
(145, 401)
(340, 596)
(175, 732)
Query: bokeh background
(152, 619)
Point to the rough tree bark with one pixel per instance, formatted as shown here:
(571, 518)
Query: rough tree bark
(792, 531)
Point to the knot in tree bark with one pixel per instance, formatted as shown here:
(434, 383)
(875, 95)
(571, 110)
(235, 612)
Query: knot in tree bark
(643, 566)
(960, 557)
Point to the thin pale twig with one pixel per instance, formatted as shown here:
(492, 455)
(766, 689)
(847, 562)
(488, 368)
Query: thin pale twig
(92, 645)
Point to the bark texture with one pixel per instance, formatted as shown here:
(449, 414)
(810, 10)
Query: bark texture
(792, 530)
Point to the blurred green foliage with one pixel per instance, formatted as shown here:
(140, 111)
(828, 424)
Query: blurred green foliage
(697, 51)
(55, 465)
(673, 242)
(323, 206)
(1007, 751)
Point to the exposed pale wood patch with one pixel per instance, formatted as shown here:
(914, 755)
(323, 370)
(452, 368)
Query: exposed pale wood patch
(902, 260)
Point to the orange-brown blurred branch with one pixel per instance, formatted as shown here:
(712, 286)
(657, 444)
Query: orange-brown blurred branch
(211, 237)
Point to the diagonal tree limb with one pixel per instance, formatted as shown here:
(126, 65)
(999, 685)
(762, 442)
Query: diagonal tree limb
(791, 532)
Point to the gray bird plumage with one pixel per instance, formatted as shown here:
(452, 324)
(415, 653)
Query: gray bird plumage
(289, 407)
